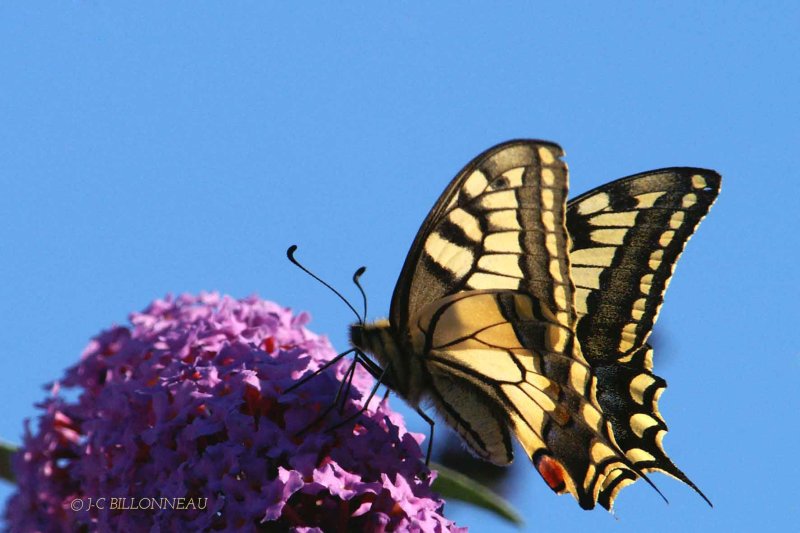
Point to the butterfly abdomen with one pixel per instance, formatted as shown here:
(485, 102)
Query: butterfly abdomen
(404, 372)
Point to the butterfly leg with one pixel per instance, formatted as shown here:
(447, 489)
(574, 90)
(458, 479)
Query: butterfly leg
(431, 423)
(349, 381)
(378, 383)
(370, 367)
(319, 370)
(348, 378)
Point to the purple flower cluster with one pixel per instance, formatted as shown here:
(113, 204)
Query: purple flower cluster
(187, 407)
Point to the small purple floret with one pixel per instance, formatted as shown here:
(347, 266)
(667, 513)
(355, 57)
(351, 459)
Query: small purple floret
(188, 402)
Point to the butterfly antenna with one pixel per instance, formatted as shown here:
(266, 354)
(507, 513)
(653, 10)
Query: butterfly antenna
(357, 281)
(290, 254)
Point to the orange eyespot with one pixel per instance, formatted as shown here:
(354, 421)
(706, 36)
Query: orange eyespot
(552, 472)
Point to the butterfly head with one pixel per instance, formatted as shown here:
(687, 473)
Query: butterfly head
(374, 338)
(401, 369)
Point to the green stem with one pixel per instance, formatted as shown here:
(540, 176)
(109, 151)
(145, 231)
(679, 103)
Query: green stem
(6, 451)
(455, 485)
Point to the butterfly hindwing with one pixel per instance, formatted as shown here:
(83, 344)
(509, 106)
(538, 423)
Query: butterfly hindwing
(492, 365)
(628, 394)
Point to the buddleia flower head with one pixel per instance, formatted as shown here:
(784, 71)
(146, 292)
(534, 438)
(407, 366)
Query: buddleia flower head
(188, 404)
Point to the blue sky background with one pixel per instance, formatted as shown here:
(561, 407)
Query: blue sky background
(168, 148)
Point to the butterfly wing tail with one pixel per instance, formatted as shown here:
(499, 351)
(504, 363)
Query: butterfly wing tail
(628, 394)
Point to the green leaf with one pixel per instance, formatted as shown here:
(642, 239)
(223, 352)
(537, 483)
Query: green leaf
(6, 451)
(455, 485)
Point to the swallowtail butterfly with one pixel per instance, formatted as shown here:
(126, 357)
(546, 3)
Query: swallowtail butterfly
(520, 314)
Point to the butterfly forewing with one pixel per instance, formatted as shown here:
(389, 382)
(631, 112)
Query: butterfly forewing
(626, 237)
(498, 225)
